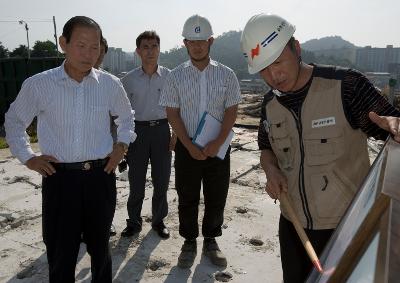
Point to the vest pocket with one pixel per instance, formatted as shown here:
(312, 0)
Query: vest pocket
(284, 153)
(329, 195)
(323, 147)
(277, 128)
(281, 143)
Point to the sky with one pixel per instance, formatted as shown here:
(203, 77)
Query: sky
(362, 22)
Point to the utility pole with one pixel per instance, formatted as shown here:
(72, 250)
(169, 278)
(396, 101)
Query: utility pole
(21, 22)
(55, 33)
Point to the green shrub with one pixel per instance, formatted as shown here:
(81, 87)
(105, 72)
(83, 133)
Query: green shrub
(3, 143)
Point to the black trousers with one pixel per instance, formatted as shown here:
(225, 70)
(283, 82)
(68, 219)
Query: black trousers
(78, 202)
(296, 265)
(152, 143)
(189, 173)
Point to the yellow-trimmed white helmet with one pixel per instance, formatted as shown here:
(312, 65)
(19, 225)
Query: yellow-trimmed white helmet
(197, 27)
(263, 39)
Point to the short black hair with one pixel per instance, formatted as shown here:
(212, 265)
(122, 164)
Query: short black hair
(79, 21)
(148, 34)
(104, 43)
(292, 44)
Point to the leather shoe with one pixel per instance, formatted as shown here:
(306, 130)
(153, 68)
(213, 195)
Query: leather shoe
(130, 231)
(162, 230)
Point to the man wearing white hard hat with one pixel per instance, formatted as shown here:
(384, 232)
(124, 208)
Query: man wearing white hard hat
(197, 86)
(314, 120)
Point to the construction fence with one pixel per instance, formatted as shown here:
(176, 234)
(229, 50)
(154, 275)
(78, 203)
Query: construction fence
(13, 72)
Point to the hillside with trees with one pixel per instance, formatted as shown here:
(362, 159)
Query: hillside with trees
(226, 49)
(327, 43)
(332, 50)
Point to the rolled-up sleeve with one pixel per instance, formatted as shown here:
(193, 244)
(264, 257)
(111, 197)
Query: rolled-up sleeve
(19, 116)
(232, 90)
(125, 122)
(169, 94)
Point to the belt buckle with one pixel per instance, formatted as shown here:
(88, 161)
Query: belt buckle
(86, 166)
(153, 123)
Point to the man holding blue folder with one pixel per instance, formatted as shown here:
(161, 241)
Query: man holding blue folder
(197, 86)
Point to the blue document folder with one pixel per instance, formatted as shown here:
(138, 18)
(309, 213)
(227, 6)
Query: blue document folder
(208, 130)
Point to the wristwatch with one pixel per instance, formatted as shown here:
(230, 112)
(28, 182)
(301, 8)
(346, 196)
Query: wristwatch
(123, 145)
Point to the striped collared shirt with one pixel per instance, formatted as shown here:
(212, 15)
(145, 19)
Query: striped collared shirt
(144, 93)
(73, 118)
(214, 90)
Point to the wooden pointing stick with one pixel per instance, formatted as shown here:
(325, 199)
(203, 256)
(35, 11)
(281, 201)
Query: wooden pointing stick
(285, 202)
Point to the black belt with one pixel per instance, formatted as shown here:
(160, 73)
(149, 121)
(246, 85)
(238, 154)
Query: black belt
(152, 123)
(85, 165)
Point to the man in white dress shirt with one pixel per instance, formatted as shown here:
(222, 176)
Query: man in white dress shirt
(73, 104)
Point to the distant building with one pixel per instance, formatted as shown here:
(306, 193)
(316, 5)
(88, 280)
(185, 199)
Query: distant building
(119, 62)
(377, 59)
(114, 60)
(132, 60)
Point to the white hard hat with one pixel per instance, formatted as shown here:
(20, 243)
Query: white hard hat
(263, 39)
(197, 28)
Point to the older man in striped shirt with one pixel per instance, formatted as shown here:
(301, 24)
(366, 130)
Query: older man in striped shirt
(197, 86)
(73, 104)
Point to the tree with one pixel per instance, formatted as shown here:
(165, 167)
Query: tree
(44, 49)
(173, 57)
(3, 51)
(20, 51)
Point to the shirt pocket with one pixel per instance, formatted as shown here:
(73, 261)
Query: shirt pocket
(216, 97)
(187, 97)
(281, 142)
(324, 147)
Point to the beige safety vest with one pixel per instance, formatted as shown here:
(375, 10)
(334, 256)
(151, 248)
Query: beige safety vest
(323, 158)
